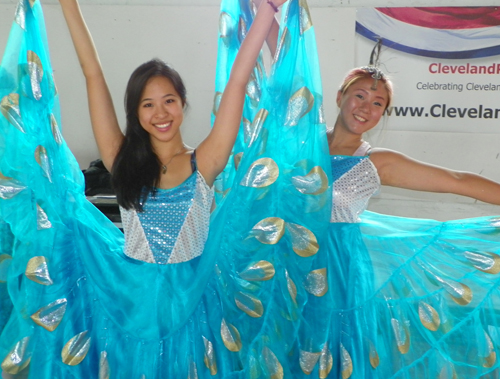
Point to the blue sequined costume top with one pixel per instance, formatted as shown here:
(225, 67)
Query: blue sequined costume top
(173, 226)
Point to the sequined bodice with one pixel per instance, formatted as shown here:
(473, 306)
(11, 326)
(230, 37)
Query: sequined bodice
(355, 181)
(173, 226)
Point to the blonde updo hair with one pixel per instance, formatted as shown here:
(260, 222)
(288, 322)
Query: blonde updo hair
(367, 72)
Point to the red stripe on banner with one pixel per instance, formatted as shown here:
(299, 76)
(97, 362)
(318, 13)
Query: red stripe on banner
(446, 17)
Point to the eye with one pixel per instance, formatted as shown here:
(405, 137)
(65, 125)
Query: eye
(359, 96)
(169, 101)
(147, 105)
(378, 104)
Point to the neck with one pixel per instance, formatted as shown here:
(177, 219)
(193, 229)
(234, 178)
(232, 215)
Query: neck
(341, 142)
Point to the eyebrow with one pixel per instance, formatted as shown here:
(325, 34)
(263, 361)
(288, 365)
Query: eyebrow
(163, 97)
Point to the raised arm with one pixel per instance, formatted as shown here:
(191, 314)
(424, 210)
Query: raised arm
(214, 151)
(398, 170)
(102, 113)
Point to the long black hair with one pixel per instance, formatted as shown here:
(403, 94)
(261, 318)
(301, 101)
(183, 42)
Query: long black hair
(136, 169)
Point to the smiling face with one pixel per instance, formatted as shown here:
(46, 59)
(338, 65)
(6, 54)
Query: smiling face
(160, 110)
(361, 107)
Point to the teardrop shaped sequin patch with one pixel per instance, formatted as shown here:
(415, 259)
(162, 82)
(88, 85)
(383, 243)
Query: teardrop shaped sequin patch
(307, 361)
(374, 357)
(217, 99)
(260, 271)
(484, 261)
(325, 362)
(9, 187)
(76, 349)
(43, 221)
(225, 28)
(304, 242)
(42, 158)
(5, 261)
(299, 105)
(269, 231)
(292, 288)
(305, 17)
(346, 362)
(428, 316)
(262, 173)
(283, 46)
(402, 335)
(104, 370)
(37, 270)
(257, 124)
(56, 133)
(50, 316)
(316, 282)
(273, 365)
(209, 358)
(18, 358)
(314, 183)
(36, 74)
(230, 337)
(9, 106)
(249, 304)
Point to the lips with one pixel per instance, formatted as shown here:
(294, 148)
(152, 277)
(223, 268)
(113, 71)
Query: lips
(164, 126)
(360, 119)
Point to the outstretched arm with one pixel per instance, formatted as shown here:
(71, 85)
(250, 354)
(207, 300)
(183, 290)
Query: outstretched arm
(102, 113)
(398, 170)
(214, 151)
(274, 31)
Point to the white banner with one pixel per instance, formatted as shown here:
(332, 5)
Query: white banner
(444, 62)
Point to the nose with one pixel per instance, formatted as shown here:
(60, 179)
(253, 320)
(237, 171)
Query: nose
(365, 106)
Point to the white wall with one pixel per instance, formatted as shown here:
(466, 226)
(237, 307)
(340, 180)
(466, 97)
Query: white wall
(184, 33)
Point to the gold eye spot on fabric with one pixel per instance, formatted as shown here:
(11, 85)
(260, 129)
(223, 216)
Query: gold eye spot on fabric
(325, 362)
(18, 358)
(36, 74)
(316, 282)
(20, 15)
(50, 316)
(9, 106)
(299, 105)
(225, 28)
(253, 90)
(484, 261)
(237, 160)
(262, 173)
(402, 335)
(230, 337)
(269, 231)
(273, 365)
(373, 355)
(249, 304)
(459, 292)
(304, 242)
(305, 17)
(283, 46)
(5, 261)
(209, 359)
(292, 288)
(75, 351)
(37, 270)
(260, 271)
(104, 371)
(428, 316)
(314, 183)
(242, 29)
(192, 369)
(43, 221)
(56, 132)
(491, 358)
(447, 372)
(42, 159)
(346, 362)
(307, 361)
(257, 124)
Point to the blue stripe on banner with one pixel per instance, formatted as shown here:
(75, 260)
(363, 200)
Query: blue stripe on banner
(478, 53)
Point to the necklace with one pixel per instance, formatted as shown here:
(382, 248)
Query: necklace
(164, 166)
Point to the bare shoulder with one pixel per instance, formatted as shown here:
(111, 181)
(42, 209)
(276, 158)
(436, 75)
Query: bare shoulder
(383, 157)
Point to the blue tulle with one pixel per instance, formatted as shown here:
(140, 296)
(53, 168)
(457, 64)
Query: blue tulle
(73, 305)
